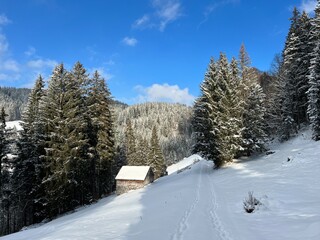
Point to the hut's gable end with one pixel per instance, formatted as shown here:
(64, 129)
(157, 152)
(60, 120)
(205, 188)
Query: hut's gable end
(133, 177)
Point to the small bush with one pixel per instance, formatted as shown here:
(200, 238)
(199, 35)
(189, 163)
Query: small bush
(250, 203)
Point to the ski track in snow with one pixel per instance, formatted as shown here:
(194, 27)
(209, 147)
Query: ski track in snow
(215, 220)
(183, 224)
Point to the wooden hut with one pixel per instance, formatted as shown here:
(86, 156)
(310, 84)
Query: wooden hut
(133, 177)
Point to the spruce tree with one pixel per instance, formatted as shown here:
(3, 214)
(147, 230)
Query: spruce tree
(60, 162)
(5, 187)
(275, 98)
(29, 169)
(76, 133)
(252, 111)
(221, 106)
(156, 160)
(314, 94)
(289, 78)
(254, 135)
(230, 111)
(296, 62)
(131, 150)
(99, 100)
(142, 151)
(2, 142)
(313, 78)
(203, 123)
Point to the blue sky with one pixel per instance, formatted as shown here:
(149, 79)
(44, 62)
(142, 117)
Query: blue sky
(148, 50)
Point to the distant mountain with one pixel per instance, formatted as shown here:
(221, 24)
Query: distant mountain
(14, 101)
(173, 122)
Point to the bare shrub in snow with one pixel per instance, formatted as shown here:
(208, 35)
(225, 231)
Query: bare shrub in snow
(250, 203)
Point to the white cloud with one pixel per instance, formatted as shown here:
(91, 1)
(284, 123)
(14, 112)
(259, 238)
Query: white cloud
(142, 22)
(3, 45)
(10, 65)
(110, 62)
(42, 63)
(168, 12)
(163, 13)
(4, 20)
(3, 76)
(30, 52)
(308, 5)
(20, 73)
(164, 93)
(103, 72)
(209, 9)
(130, 41)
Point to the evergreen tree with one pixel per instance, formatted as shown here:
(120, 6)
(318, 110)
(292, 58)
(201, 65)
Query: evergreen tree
(131, 152)
(99, 100)
(230, 111)
(202, 122)
(296, 62)
(275, 98)
(221, 106)
(76, 133)
(142, 151)
(254, 135)
(252, 112)
(5, 168)
(303, 62)
(244, 62)
(60, 106)
(2, 142)
(156, 160)
(313, 78)
(28, 170)
(314, 94)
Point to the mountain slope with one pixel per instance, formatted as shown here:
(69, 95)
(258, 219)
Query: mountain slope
(202, 203)
(14, 101)
(173, 123)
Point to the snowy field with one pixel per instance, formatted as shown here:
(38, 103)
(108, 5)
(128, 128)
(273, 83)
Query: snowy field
(200, 203)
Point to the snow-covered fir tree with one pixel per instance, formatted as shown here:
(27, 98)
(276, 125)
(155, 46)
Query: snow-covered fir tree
(314, 94)
(131, 150)
(274, 97)
(296, 62)
(221, 106)
(156, 160)
(253, 109)
(254, 135)
(29, 169)
(102, 133)
(202, 123)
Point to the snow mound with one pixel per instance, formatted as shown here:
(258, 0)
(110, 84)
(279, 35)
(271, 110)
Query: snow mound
(183, 164)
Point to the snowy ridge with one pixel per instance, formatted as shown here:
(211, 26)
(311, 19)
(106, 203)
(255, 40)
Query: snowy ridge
(202, 203)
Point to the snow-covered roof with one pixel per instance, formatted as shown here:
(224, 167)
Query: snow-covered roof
(133, 173)
(14, 124)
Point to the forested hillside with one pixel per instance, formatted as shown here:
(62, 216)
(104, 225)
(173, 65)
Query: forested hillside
(14, 101)
(173, 122)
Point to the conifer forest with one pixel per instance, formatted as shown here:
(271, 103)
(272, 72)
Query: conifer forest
(75, 137)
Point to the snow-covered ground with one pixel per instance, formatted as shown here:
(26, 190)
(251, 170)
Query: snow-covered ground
(200, 203)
